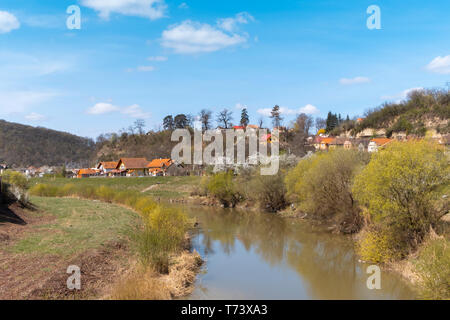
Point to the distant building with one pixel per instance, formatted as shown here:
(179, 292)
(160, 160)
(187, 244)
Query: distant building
(86, 173)
(108, 167)
(159, 167)
(133, 167)
(377, 143)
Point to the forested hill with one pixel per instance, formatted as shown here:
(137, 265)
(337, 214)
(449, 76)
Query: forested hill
(22, 146)
(421, 111)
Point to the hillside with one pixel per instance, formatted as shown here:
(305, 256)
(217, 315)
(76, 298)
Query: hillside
(419, 112)
(22, 146)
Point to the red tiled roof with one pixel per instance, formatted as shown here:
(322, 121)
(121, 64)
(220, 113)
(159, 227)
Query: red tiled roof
(133, 163)
(108, 165)
(381, 141)
(159, 163)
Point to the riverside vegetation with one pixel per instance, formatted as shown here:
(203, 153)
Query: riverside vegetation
(393, 202)
(165, 268)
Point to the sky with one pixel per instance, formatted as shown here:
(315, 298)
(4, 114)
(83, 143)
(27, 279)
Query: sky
(145, 59)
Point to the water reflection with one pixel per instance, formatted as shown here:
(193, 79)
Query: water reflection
(261, 256)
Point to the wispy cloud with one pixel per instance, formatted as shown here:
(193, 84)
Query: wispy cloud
(152, 9)
(355, 80)
(20, 101)
(440, 65)
(133, 111)
(183, 5)
(190, 37)
(8, 22)
(157, 58)
(398, 97)
(308, 109)
(35, 117)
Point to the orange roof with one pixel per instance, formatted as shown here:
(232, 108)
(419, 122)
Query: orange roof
(133, 163)
(108, 165)
(86, 171)
(252, 126)
(328, 140)
(159, 163)
(381, 141)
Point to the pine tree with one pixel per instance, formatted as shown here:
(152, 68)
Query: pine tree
(244, 118)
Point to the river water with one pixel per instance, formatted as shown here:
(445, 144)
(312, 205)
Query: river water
(262, 256)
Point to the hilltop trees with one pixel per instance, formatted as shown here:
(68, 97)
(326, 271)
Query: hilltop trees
(224, 118)
(181, 121)
(168, 123)
(244, 118)
(205, 119)
(275, 115)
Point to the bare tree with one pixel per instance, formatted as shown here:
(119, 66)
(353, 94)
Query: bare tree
(320, 123)
(224, 118)
(205, 119)
(303, 124)
(139, 125)
(275, 115)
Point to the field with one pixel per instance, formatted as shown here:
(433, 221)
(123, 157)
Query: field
(159, 187)
(34, 256)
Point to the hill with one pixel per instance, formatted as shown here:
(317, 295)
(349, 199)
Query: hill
(22, 146)
(421, 111)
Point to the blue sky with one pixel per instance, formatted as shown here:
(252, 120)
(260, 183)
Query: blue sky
(150, 58)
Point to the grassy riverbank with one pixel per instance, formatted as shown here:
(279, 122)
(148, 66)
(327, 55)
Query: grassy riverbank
(117, 236)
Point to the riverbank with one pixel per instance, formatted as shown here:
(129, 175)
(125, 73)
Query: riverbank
(38, 245)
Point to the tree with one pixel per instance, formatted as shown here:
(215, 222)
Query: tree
(261, 122)
(180, 121)
(205, 119)
(168, 123)
(320, 123)
(331, 122)
(224, 118)
(275, 115)
(244, 118)
(401, 189)
(139, 125)
(303, 124)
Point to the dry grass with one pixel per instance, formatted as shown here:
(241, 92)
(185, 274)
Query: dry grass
(146, 284)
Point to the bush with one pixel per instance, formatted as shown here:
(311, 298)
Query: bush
(222, 187)
(321, 186)
(269, 192)
(14, 187)
(433, 265)
(399, 188)
(375, 246)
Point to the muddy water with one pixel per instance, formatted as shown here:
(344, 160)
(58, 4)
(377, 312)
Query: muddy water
(262, 256)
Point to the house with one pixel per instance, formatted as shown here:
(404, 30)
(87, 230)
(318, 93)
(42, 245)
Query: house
(133, 167)
(238, 127)
(377, 143)
(31, 171)
(108, 168)
(326, 143)
(348, 145)
(253, 126)
(158, 167)
(86, 173)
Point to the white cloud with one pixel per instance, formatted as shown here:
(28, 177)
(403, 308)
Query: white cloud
(231, 24)
(183, 5)
(308, 109)
(20, 101)
(158, 59)
(102, 108)
(8, 22)
(191, 37)
(152, 9)
(145, 68)
(401, 95)
(240, 106)
(355, 80)
(35, 117)
(440, 65)
(133, 111)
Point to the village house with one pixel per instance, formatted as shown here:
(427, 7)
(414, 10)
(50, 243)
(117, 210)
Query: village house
(133, 167)
(377, 143)
(108, 168)
(86, 173)
(159, 167)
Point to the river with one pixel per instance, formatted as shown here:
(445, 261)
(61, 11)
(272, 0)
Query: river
(263, 256)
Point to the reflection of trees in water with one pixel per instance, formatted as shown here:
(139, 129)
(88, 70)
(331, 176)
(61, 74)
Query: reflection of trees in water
(325, 262)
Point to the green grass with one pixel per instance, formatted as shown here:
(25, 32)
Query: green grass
(165, 187)
(79, 225)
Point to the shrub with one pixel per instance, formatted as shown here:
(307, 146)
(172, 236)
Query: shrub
(222, 187)
(269, 191)
(399, 188)
(105, 194)
(433, 265)
(375, 246)
(321, 185)
(16, 179)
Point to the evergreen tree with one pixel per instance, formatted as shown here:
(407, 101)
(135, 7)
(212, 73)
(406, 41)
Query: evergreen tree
(244, 118)
(276, 116)
(168, 123)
